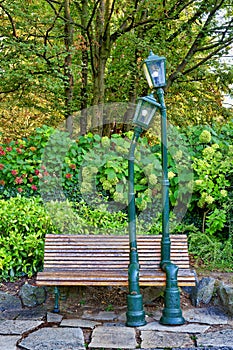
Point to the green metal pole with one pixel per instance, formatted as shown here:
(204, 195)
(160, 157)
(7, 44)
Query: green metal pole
(172, 313)
(166, 243)
(135, 314)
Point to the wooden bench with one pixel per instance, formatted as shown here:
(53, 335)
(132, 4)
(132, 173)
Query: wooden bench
(94, 260)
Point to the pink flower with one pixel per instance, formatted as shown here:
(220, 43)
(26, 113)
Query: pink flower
(37, 171)
(34, 188)
(9, 149)
(20, 189)
(14, 172)
(19, 150)
(1, 166)
(2, 152)
(18, 180)
(30, 179)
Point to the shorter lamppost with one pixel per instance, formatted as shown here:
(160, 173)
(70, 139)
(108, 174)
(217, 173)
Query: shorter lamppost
(145, 110)
(155, 71)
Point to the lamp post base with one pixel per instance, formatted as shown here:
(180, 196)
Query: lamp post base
(172, 317)
(172, 313)
(135, 315)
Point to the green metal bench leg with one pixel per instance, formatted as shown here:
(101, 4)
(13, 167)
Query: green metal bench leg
(56, 300)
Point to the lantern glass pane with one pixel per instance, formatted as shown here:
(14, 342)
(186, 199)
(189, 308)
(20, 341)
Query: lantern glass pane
(137, 111)
(157, 72)
(147, 112)
(147, 75)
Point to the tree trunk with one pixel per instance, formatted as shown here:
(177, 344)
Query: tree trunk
(101, 54)
(84, 69)
(69, 83)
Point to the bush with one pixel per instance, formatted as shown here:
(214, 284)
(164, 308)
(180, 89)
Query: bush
(23, 225)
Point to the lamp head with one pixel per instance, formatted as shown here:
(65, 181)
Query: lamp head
(155, 70)
(145, 111)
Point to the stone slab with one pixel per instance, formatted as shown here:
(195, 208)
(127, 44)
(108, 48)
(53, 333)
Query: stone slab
(15, 327)
(54, 318)
(223, 338)
(153, 339)
(79, 323)
(210, 315)
(54, 338)
(9, 315)
(186, 328)
(8, 342)
(9, 302)
(113, 337)
(122, 317)
(36, 313)
(100, 316)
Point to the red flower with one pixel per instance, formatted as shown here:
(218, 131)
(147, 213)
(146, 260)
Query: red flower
(68, 176)
(30, 179)
(34, 188)
(37, 171)
(14, 172)
(9, 149)
(19, 150)
(20, 189)
(2, 182)
(18, 180)
(1, 166)
(72, 166)
(2, 152)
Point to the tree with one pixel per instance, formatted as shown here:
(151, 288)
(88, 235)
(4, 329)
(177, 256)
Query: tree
(59, 56)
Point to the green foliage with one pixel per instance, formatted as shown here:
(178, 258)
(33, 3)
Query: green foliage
(210, 251)
(211, 205)
(33, 55)
(83, 184)
(20, 164)
(23, 225)
(99, 220)
(105, 170)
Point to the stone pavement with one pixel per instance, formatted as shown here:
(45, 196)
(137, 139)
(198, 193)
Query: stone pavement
(37, 329)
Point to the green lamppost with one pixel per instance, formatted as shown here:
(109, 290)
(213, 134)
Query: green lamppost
(155, 71)
(135, 314)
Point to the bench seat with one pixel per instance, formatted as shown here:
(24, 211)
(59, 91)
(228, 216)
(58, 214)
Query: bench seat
(102, 260)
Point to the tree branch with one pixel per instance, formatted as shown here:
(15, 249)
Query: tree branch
(204, 60)
(203, 32)
(11, 21)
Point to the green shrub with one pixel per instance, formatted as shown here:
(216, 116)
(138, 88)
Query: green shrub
(211, 251)
(23, 225)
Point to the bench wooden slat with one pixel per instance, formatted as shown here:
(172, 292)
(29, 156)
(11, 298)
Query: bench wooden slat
(95, 260)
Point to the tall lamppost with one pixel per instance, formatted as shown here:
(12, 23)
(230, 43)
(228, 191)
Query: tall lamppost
(135, 314)
(155, 71)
